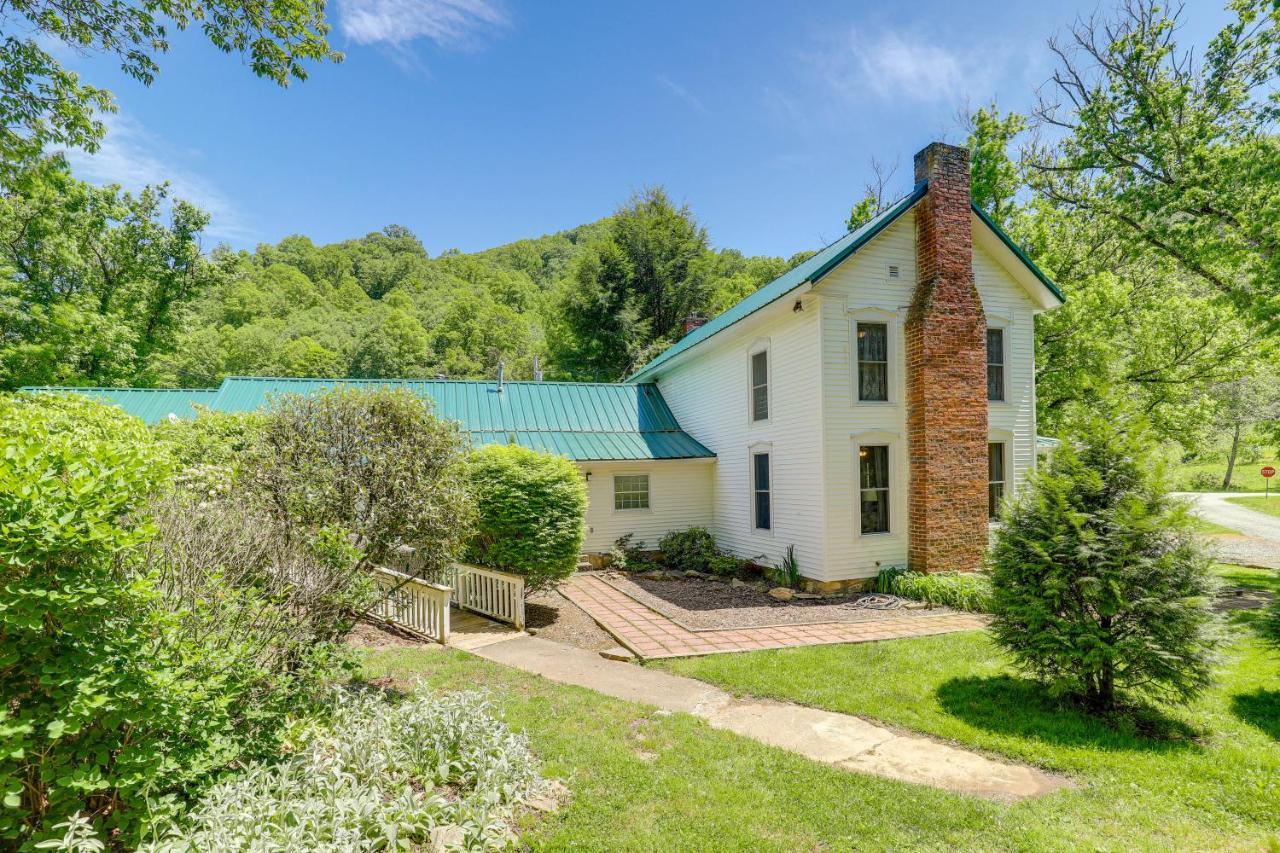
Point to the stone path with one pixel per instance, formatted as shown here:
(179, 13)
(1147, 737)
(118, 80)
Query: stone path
(1259, 542)
(649, 634)
(841, 740)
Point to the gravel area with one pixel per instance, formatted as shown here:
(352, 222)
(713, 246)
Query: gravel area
(1245, 551)
(553, 617)
(703, 604)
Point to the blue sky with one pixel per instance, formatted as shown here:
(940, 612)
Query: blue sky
(478, 122)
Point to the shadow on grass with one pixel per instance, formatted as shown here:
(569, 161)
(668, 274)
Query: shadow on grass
(1021, 707)
(1260, 708)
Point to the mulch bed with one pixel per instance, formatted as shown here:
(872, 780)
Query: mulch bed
(553, 617)
(703, 604)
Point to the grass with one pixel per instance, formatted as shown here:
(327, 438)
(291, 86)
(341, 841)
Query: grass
(1246, 477)
(1271, 505)
(1203, 777)
(1209, 528)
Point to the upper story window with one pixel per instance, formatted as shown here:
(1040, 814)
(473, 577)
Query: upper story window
(873, 362)
(995, 364)
(762, 492)
(760, 386)
(873, 487)
(631, 491)
(995, 478)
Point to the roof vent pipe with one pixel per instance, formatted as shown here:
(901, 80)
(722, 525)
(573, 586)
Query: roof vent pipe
(537, 371)
(501, 369)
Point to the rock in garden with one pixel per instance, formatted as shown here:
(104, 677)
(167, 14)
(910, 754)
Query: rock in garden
(449, 837)
(694, 573)
(782, 593)
(736, 584)
(807, 596)
(553, 795)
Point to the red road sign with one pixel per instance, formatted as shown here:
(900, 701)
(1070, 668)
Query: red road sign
(1268, 471)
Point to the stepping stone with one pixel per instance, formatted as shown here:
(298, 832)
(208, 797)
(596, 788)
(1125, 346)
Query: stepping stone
(617, 653)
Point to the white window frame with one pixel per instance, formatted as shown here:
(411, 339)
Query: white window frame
(1005, 437)
(761, 346)
(897, 491)
(752, 451)
(1001, 324)
(1004, 484)
(648, 490)
(893, 334)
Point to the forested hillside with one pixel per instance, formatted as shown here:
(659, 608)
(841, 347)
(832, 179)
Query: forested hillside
(105, 288)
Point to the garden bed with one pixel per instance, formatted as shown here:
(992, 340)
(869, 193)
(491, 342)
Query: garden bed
(704, 603)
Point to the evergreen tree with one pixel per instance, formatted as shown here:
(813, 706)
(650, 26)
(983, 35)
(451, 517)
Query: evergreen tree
(1099, 583)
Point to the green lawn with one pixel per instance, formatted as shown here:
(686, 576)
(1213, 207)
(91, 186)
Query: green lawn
(1246, 477)
(1271, 505)
(1204, 777)
(1209, 528)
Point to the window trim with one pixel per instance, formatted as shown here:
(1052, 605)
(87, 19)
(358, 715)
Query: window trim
(893, 441)
(1002, 326)
(893, 325)
(613, 481)
(754, 450)
(996, 435)
(760, 346)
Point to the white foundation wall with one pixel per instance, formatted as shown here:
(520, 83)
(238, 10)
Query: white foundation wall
(709, 395)
(681, 495)
(864, 288)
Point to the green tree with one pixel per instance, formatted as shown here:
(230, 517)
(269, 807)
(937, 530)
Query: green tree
(1176, 150)
(44, 104)
(1099, 585)
(395, 345)
(995, 178)
(99, 282)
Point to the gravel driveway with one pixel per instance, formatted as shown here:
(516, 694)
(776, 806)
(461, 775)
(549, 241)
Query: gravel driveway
(1259, 542)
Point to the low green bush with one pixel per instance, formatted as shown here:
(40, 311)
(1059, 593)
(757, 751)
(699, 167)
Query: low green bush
(959, 590)
(689, 550)
(530, 513)
(428, 772)
(724, 565)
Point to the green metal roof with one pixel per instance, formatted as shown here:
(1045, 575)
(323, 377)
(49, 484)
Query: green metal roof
(151, 405)
(584, 421)
(814, 269)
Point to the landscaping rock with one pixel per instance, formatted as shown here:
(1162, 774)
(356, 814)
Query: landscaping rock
(450, 837)
(694, 573)
(917, 605)
(736, 584)
(552, 796)
(781, 593)
(807, 596)
(617, 653)
(654, 575)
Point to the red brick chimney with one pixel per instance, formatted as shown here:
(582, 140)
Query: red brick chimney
(691, 322)
(946, 375)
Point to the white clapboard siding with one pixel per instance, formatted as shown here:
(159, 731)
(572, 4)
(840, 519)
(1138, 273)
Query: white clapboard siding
(862, 287)
(709, 395)
(681, 495)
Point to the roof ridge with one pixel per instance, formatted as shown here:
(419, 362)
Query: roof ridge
(353, 379)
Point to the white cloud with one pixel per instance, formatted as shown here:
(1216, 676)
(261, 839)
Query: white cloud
(448, 23)
(682, 93)
(133, 157)
(891, 66)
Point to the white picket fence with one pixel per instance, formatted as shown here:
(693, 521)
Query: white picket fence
(413, 603)
(498, 595)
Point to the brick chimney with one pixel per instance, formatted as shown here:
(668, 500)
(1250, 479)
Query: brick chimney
(946, 375)
(691, 322)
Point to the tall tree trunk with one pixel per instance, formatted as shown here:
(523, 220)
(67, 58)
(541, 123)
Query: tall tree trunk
(1231, 460)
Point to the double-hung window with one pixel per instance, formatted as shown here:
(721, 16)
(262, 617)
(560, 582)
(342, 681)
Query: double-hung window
(873, 362)
(760, 386)
(873, 487)
(761, 492)
(995, 364)
(995, 478)
(631, 491)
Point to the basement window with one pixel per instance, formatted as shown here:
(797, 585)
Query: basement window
(631, 491)
(873, 487)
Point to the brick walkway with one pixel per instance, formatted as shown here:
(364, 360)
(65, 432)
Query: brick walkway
(649, 634)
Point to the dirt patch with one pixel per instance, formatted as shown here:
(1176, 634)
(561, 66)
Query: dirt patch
(550, 615)
(1241, 598)
(703, 604)
(375, 635)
